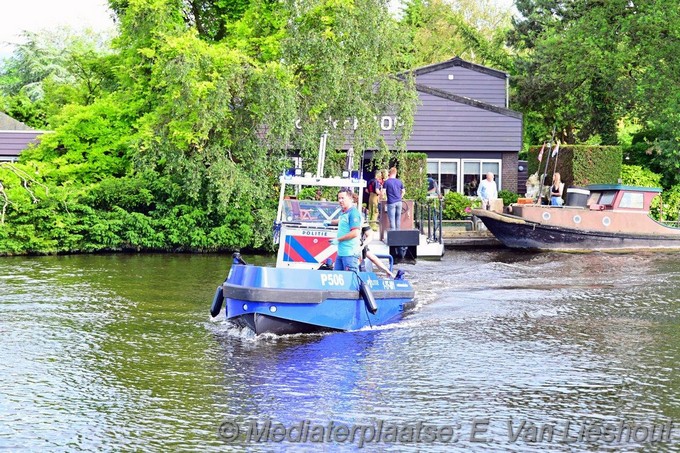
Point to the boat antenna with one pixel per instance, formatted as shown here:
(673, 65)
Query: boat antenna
(322, 155)
(545, 171)
(557, 154)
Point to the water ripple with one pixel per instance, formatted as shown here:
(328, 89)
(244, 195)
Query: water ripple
(119, 353)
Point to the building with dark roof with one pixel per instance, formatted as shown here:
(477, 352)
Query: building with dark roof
(464, 125)
(15, 137)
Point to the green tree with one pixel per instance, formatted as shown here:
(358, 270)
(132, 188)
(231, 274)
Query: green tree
(344, 57)
(181, 148)
(53, 68)
(635, 175)
(209, 18)
(572, 67)
(260, 31)
(584, 66)
(472, 30)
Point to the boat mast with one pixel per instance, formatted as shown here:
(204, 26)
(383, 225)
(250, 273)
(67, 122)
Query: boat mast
(322, 155)
(545, 171)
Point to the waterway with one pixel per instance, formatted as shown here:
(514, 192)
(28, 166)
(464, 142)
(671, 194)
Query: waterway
(505, 351)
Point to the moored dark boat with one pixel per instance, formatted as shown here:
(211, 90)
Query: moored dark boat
(613, 217)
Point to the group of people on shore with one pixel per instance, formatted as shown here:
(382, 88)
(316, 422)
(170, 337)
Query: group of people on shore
(488, 192)
(389, 189)
(353, 237)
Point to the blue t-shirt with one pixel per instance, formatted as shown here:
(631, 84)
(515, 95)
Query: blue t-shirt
(393, 187)
(348, 221)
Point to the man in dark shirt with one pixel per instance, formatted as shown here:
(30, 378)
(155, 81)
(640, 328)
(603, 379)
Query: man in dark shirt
(432, 186)
(394, 189)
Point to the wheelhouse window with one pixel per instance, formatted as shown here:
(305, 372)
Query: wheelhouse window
(607, 198)
(632, 200)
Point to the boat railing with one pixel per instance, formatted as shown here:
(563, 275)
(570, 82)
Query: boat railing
(366, 264)
(314, 209)
(428, 216)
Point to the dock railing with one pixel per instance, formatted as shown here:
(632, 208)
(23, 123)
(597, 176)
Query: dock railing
(428, 216)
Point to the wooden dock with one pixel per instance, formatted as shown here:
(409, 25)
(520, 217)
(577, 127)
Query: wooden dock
(466, 233)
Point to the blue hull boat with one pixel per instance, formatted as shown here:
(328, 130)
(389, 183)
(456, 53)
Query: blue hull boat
(302, 294)
(288, 301)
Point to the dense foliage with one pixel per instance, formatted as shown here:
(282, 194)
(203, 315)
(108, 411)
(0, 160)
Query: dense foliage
(456, 206)
(471, 29)
(413, 173)
(586, 67)
(508, 197)
(171, 135)
(635, 175)
(177, 142)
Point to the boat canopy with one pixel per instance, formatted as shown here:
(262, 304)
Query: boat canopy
(619, 196)
(293, 210)
(607, 187)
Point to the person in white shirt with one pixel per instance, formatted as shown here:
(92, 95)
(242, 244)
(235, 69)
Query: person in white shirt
(487, 191)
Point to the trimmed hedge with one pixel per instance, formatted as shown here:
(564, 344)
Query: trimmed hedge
(580, 165)
(412, 170)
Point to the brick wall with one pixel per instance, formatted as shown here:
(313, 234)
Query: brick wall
(509, 177)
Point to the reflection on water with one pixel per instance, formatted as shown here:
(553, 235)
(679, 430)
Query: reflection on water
(118, 352)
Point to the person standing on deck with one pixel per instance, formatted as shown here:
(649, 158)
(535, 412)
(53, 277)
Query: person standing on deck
(394, 190)
(556, 191)
(349, 231)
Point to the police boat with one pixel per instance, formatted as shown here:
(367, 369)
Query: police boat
(303, 294)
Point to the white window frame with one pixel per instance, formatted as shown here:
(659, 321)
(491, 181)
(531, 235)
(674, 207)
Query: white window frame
(483, 175)
(439, 166)
(461, 166)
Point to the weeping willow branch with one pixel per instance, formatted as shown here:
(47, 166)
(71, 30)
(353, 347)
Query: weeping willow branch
(26, 179)
(4, 206)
